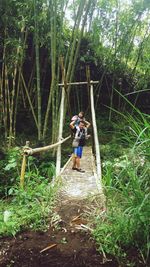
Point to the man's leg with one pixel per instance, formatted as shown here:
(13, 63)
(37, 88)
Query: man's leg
(74, 161)
(76, 158)
(78, 162)
(79, 155)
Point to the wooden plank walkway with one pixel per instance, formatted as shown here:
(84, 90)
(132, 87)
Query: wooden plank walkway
(76, 185)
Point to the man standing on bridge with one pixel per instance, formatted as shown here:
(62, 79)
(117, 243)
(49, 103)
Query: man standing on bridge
(80, 135)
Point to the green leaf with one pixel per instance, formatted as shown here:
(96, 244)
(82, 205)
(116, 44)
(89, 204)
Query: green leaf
(10, 166)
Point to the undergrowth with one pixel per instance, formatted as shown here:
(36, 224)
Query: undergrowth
(124, 228)
(30, 207)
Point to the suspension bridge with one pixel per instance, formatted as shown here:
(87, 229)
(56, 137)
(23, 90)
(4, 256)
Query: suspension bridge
(75, 185)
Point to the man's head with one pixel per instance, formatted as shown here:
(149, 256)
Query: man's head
(81, 114)
(81, 124)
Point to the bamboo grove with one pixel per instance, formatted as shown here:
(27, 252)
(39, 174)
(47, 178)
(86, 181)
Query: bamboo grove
(110, 36)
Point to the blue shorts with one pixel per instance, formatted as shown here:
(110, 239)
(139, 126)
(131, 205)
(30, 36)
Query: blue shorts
(78, 151)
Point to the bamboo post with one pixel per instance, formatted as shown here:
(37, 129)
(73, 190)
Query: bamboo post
(61, 119)
(23, 167)
(97, 150)
(58, 158)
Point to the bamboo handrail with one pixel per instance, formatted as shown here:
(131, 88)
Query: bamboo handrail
(78, 83)
(30, 151)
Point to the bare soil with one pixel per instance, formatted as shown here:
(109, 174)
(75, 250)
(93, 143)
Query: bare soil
(66, 244)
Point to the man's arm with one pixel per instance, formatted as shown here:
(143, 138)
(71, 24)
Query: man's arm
(72, 124)
(86, 135)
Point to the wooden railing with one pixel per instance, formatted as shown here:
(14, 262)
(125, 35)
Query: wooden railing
(28, 151)
(96, 141)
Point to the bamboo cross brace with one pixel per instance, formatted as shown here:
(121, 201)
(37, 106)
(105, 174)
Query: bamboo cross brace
(78, 83)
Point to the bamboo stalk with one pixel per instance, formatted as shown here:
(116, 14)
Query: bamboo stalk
(73, 45)
(47, 113)
(29, 99)
(19, 80)
(22, 95)
(2, 79)
(51, 97)
(7, 99)
(87, 7)
(4, 92)
(53, 70)
(16, 103)
(37, 60)
(13, 95)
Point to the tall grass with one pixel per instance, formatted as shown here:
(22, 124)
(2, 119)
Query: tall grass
(126, 179)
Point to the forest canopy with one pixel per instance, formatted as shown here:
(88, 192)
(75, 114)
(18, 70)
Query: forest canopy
(111, 37)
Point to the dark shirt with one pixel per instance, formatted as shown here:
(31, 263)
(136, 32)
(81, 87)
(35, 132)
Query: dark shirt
(81, 135)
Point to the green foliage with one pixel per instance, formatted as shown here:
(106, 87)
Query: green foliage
(127, 223)
(126, 178)
(31, 206)
(28, 208)
(42, 166)
(119, 38)
(135, 132)
(115, 43)
(10, 170)
(47, 169)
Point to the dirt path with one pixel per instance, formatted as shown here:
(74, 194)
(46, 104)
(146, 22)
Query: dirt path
(72, 244)
(67, 243)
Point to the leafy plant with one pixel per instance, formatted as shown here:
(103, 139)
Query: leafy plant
(10, 170)
(29, 208)
(126, 180)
